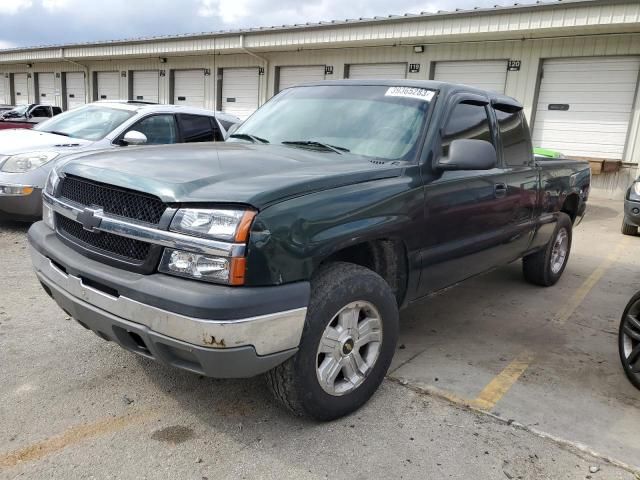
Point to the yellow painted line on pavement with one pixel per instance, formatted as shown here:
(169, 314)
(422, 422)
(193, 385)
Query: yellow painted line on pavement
(578, 297)
(72, 436)
(502, 383)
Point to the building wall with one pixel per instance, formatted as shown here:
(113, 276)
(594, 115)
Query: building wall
(522, 84)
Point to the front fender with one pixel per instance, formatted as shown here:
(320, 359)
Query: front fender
(289, 240)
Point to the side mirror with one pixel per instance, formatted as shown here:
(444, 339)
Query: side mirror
(133, 137)
(232, 129)
(465, 154)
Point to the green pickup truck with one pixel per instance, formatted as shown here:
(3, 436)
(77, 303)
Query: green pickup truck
(290, 249)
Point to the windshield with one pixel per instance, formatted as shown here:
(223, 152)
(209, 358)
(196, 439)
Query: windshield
(92, 122)
(374, 121)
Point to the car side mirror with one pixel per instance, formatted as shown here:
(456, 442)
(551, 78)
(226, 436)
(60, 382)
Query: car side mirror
(468, 154)
(232, 129)
(133, 137)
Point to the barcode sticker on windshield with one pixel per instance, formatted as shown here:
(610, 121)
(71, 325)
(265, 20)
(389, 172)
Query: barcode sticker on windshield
(411, 92)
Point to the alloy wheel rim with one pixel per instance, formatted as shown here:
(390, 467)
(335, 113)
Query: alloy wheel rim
(349, 348)
(631, 339)
(559, 251)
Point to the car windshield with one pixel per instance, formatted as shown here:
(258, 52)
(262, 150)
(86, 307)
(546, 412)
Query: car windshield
(373, 121)
(92, 122)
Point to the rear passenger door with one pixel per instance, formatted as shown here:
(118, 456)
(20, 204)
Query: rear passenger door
(199, 128)
(465, 211)
(520, 175)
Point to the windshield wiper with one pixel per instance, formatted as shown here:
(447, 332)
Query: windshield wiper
(313, 143)
(246, 136)
(57, 133)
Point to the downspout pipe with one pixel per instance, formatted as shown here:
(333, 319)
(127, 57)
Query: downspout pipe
(86, 74)
(265, 61)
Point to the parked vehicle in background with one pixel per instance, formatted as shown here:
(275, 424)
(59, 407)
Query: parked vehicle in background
(629, 340)
(27, 116)
(289, 249)
(27, 156)
(5, 108)
(631, 220)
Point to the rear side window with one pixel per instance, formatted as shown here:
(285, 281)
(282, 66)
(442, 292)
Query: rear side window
(41, 112)
(514, 135)
(226, 124)
(197, 128)
(57, 110)
(467, 121)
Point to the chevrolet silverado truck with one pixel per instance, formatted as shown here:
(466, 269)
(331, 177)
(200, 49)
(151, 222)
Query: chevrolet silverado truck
(290, 249)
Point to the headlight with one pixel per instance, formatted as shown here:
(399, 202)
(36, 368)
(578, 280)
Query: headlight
(203, 267)
(52, 182)
(634, 194)
(219, 224)
(25, 162)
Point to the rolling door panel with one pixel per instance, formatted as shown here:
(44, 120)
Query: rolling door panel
(21, 89)
(585, 104)
(290, 76)
(146, 86)
(384, 71)
(108, 85)
(46, 89)
(487, 75)
(189, 88)
(75, 89)
(240, 91)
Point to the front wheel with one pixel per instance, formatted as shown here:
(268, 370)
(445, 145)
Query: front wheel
(629, 340)
(629, 229)
(546, 266)
(346, 348)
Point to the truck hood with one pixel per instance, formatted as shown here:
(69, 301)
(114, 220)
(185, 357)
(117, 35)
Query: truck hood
(13, 142)
(256, 175)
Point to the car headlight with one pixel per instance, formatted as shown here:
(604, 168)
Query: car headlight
(25, 162)
(634, 193)
(230, 225)
(219, 224)
(52, 182)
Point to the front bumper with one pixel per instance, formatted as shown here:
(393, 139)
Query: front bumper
(632, 213)
(22, 208)
(213, 330)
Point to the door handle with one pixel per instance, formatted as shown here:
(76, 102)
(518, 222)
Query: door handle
(500, 190)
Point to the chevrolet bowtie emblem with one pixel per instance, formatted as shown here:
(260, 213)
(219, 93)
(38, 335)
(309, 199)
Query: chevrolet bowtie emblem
(90, 218)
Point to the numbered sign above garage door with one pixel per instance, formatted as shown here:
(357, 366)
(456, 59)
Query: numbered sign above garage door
(108, 84)
(46, 88)
(21, 89)
(188, 87)
(240, 91)
(290, 76)
(488, 75)
(390, 71)
(74, 90)
(585, 104)
(146, 86)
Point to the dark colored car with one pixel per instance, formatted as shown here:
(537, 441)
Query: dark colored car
(631, 220)
(290, 248)
(27, 116)
(629, 340)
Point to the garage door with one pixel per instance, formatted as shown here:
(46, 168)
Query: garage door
(4, 90)
(146, 86)
(21, 88)
(46, 89)
(240, 91)
(488, 75)
(290, 76)
(188, 87)
(585, 105)
(74, 89)
(389, 71)
(108, 85)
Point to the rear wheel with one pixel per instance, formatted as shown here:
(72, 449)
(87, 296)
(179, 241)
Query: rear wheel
(346, 348)
(546, 266)
(629, 229)
(629, 340)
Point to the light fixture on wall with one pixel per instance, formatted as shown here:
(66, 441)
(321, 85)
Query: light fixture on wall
(29, 65)
(163, 59)
(418, 48)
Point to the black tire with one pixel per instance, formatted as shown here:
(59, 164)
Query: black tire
(295, 383)
(537, 267)
(629, 229)
(630, 332)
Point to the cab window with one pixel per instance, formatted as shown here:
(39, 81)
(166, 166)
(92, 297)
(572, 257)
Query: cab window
(467, 121)
(514, 136)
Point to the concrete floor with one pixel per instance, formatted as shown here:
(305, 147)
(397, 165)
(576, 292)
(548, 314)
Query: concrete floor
(493, 379)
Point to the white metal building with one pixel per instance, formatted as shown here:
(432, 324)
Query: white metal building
(574, 64)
